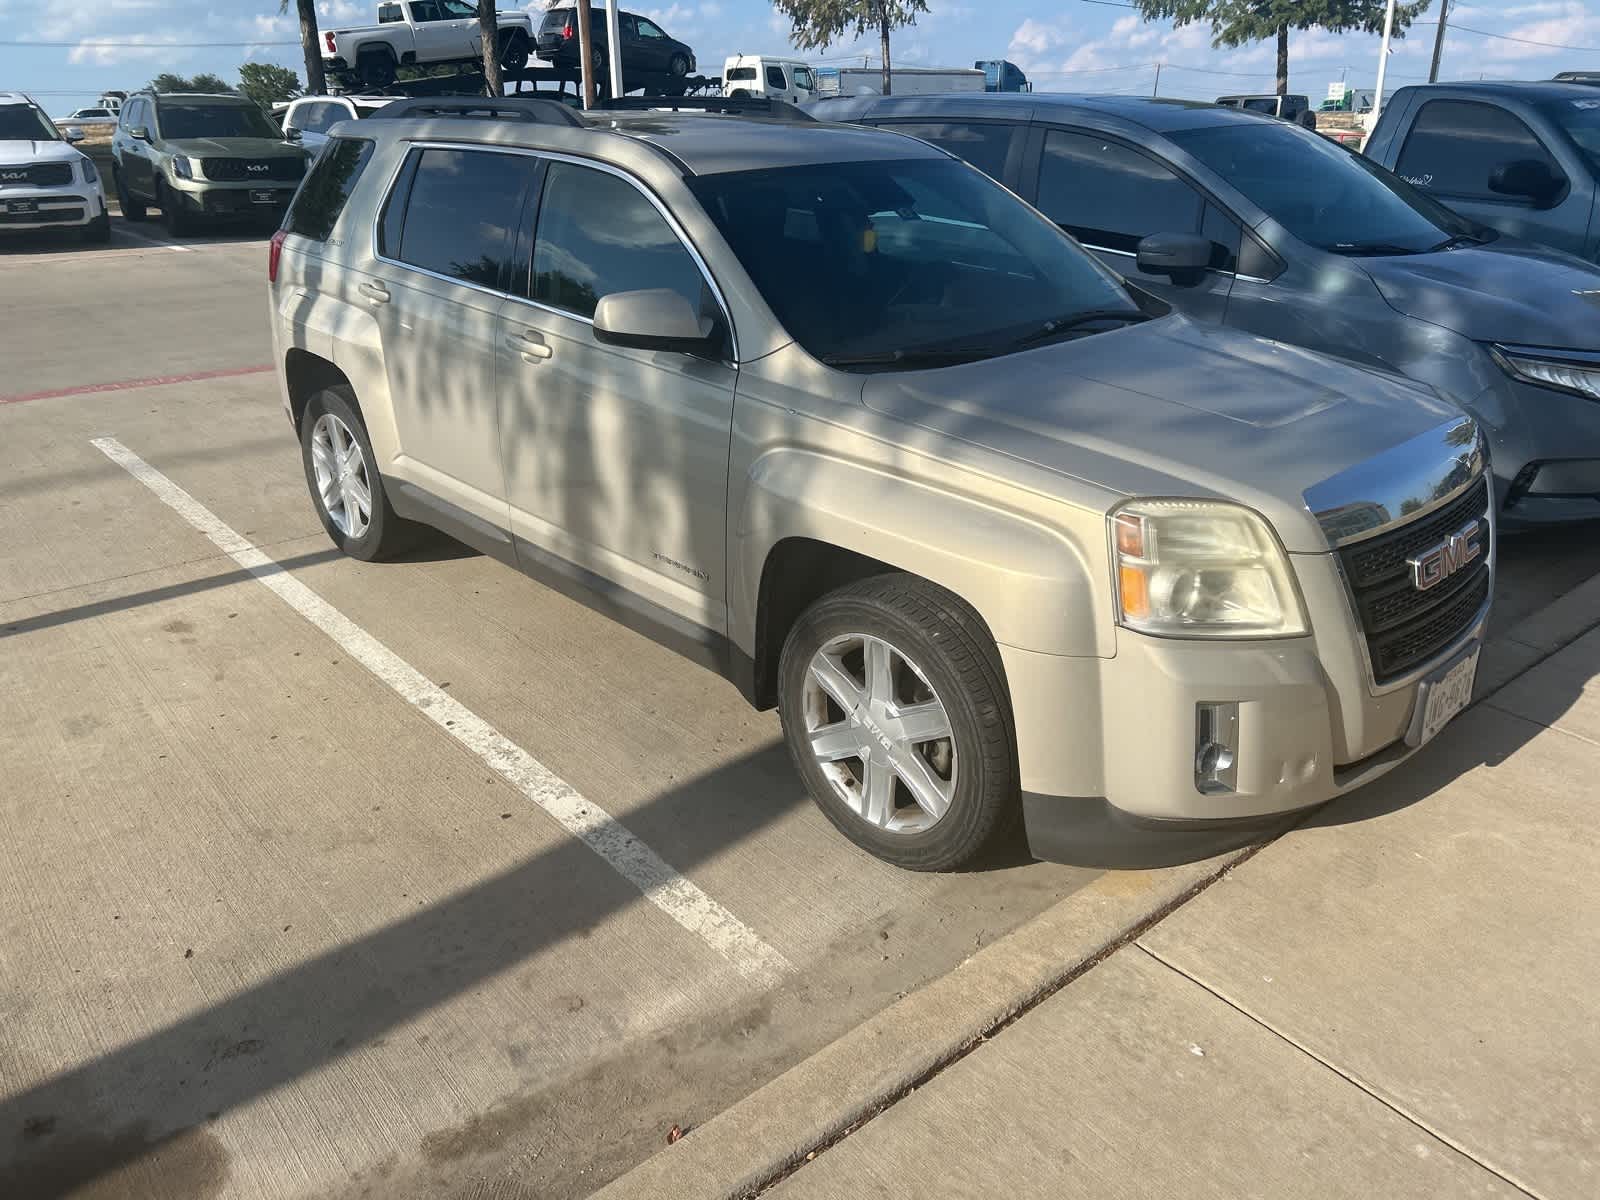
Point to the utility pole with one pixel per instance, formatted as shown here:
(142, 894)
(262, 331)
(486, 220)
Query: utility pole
(1156, 91)
(1383, 62)
(586, 53)
(614, 48)
(1438, 42)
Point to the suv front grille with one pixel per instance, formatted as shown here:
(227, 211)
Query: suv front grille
(1405, 627)
(36, 175)
(241, 170)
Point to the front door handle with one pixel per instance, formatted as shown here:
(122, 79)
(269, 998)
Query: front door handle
(375, 292)
(531, 345)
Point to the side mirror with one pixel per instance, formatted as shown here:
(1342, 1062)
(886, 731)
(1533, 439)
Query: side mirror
(139, 133)
(1181, 256)
(292, 134)
(73, 135)
(654, 319)
(1530, 178)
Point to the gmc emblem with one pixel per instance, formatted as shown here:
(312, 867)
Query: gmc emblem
(1434, 565)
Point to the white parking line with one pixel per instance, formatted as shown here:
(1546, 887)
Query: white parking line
(150, 241)
(604, 834)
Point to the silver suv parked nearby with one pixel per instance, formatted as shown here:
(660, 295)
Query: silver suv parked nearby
(838, 416)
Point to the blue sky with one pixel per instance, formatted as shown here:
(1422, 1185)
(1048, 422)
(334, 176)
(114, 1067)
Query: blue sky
(1064, 45)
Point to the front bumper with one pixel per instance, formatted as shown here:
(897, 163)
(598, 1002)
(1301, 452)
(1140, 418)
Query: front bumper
(212, 199)
(1107, 747)
(22, 210)
(1545, 447)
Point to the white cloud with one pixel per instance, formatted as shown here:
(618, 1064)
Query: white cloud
(130, 47)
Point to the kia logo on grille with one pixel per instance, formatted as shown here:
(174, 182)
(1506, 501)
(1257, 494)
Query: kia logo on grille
(13, 176)
(1433, 566)
(256, 167)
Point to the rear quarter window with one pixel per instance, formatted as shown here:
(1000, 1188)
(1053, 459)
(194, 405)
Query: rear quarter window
(326, 190)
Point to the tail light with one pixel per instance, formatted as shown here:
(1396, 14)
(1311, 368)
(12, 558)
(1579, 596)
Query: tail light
(566, 33)
(275, 254)
(327, 40)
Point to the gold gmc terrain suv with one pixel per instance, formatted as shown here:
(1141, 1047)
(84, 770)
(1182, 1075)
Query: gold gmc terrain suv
(835, 414)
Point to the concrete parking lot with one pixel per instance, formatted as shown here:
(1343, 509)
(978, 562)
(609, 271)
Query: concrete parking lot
(324, 878)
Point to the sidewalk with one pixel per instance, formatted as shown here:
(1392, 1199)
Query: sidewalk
(1400, 999)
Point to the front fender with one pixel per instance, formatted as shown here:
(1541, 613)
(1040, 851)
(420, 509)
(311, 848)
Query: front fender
(1035, 586)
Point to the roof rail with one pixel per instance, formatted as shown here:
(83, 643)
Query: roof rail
(743, 106)
(509, 108)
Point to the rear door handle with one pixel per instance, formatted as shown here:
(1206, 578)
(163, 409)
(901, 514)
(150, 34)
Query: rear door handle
(375, 292)
(531, 345)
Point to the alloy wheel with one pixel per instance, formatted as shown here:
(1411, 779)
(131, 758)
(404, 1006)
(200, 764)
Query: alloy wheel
(344, 486)
(880, 734)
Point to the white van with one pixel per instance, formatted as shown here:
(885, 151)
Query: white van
(763, 75)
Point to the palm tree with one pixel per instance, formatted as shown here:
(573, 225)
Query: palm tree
(310, 43)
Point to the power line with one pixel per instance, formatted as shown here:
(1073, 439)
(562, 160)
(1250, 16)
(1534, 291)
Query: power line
(98, 45)
(1506, 37)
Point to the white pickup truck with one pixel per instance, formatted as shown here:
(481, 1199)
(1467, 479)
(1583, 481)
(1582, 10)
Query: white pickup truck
(413, 33)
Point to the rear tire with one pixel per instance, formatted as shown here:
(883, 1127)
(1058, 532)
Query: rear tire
(514, 55)
(376, 71)
(942, 721)
(132, 210)
(332, 422)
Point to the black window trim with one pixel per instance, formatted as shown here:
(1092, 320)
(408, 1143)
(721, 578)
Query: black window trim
(1016, 154)
(1476, 198)
(531, 202)
(1206, 196)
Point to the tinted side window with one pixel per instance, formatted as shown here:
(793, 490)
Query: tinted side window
(1455, 144)
(1107, 195)
(597, 235)
(316, 117)
(463, 212)
(985, 146)
(322, 196)
(775, 78)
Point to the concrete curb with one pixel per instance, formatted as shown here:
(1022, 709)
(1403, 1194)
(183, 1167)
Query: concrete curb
(748, 1146)
(755, 1142)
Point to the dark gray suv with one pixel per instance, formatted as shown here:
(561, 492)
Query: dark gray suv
(1251, 222)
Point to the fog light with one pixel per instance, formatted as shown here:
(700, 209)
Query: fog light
(1216, 746)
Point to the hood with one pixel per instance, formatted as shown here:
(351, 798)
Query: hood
(240, 147)
(1507, 291)
(1173, 408)
(15, 153)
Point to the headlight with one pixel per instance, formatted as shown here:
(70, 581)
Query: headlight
(1201, 568)
(181, 168)
(91, 173)
(1574, 371)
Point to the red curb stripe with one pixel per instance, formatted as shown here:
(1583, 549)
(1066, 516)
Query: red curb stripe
(126, 384)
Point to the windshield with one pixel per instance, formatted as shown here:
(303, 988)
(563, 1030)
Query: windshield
(1581, 121)
(187, 119)
(24, 123)
(804, 79)
(1324, 195)
(909, 256)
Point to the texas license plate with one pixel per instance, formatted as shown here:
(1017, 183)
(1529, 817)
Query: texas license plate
(263, 196)
(1442, 697)
(20, 206)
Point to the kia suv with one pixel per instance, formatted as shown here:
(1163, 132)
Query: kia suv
(852, 425)
(200, 157)
(46, 182)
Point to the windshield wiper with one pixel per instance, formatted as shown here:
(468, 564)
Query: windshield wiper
(1460, 239)
(906, 358)
(1357, 249)
(1128, 316)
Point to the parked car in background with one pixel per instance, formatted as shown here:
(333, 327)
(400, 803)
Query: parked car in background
(1249, 222)
(415, 33)
(46, 184)
(1000, 75)
(89, 116)
(997, 534)
(1287, 108)
(1523, 158)
(786, 79)
(647, 51)
(306, 120)
(199, 157)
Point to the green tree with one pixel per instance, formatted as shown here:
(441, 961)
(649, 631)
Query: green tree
(267, 83)
(310, 43)
(817, 24)
(203, 82)
(1235, 22)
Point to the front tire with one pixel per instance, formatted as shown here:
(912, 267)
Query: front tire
(678, 66)
(174, 217)
(896, 713)
(346, 488)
